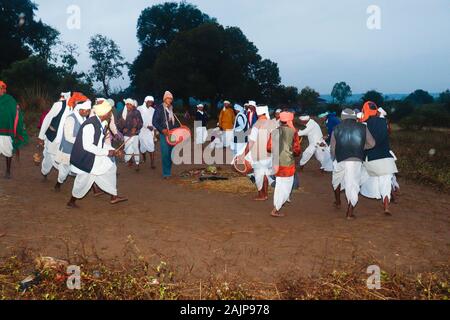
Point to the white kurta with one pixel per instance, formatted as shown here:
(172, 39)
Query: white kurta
(6, 146)
(347, 174)
(283, 190)
(315, 137)
(261, 160)
(51, 148)
(103, 172)
(147, 136)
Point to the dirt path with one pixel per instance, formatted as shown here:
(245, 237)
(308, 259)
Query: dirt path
(204, 232)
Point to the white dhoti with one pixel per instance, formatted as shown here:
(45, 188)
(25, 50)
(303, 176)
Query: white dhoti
(347, 174)
(6, 146)
(49, 154)
(377, 178)
(201, 135)
(84, 182)
(63, 172)
(262, 169)
(228, 137)
(132, 149)
(283, 190)
(146, 141)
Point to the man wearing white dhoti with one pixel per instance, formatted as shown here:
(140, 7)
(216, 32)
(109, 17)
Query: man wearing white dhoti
(379, 162)
(261, 160)
(348, 142)
(284, 144)
(71, 127)
(91, 158)
(130, 125)
(147, 134)
(51, 133)
(317, 146)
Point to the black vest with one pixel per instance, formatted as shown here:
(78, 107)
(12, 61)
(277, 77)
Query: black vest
(350, 140)
(51, 134)
(81, 158)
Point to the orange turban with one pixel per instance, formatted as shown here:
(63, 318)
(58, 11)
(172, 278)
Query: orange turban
(3, 85)
(76, 98)
(287, 117)
(370, 109)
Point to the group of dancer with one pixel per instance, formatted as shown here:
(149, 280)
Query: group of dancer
(86, 139)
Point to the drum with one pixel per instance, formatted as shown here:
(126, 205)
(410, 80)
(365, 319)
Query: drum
(243, 168)
(178, 135)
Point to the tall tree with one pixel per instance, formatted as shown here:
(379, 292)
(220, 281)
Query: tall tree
(108, 61)
(341, 92)
(157, 27)
(420, 97)
(308, 99)
(21, 34)
(373, 96)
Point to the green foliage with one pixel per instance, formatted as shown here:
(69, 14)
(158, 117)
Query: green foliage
(433, 115)
(157, 27)
(108, 61)
(308, 99)
(373, 96)
(21, 35)
(341, 91)
(420, 97)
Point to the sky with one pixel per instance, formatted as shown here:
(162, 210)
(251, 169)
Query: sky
(316, 43)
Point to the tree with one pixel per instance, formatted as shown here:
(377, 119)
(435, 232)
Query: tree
(69, 57)
(444, 97)
(341, 92)
(373, 96)
(420, 97)
(21, 35)
(157, 27)
(308, 98)
(108, 61)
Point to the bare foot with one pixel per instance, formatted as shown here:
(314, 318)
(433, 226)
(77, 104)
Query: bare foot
(276, 214)
(98, 194)
(71, 205)
(387, 213)
(117, 200)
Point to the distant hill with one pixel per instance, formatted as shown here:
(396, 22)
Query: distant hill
(357, 97)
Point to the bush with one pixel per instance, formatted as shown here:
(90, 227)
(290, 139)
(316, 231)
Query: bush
(433, 115)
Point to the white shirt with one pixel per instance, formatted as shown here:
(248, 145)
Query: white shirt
(54, 111)
(147, 115)
(313, 132)
(102, 162)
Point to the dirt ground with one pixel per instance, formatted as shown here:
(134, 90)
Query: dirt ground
(204, 232)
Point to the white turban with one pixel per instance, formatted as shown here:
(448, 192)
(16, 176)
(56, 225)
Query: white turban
(102, 109)
(129, 101)
(65, 95)
(305, 118)
(278, 111)
(382, 112)
(200, 106)
(226, 102)
(87, 105)
(149, 98)
(263, 110)
(238, 108)
(252, 103)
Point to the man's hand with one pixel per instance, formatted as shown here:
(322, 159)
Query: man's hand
(40, 142)
(112, 153)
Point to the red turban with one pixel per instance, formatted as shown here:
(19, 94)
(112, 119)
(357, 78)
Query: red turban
(287, 117)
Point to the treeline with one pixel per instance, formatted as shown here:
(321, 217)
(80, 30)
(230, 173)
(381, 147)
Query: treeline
(183, 50)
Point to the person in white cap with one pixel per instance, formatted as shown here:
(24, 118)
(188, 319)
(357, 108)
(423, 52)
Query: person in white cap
(71, 127)
(317, 146)
(201, 123)
(147, 134)
(130, 126)
(349, 141)
(91, 160)
(51, 133)
(257, 147)
(252, 116)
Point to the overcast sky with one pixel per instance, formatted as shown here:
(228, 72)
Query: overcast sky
(315, 42)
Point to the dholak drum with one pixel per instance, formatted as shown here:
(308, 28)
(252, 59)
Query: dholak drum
(178, 135)
(243, 168)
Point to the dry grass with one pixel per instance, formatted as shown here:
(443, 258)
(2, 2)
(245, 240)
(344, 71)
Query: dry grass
(138, 280)
(418, 162)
